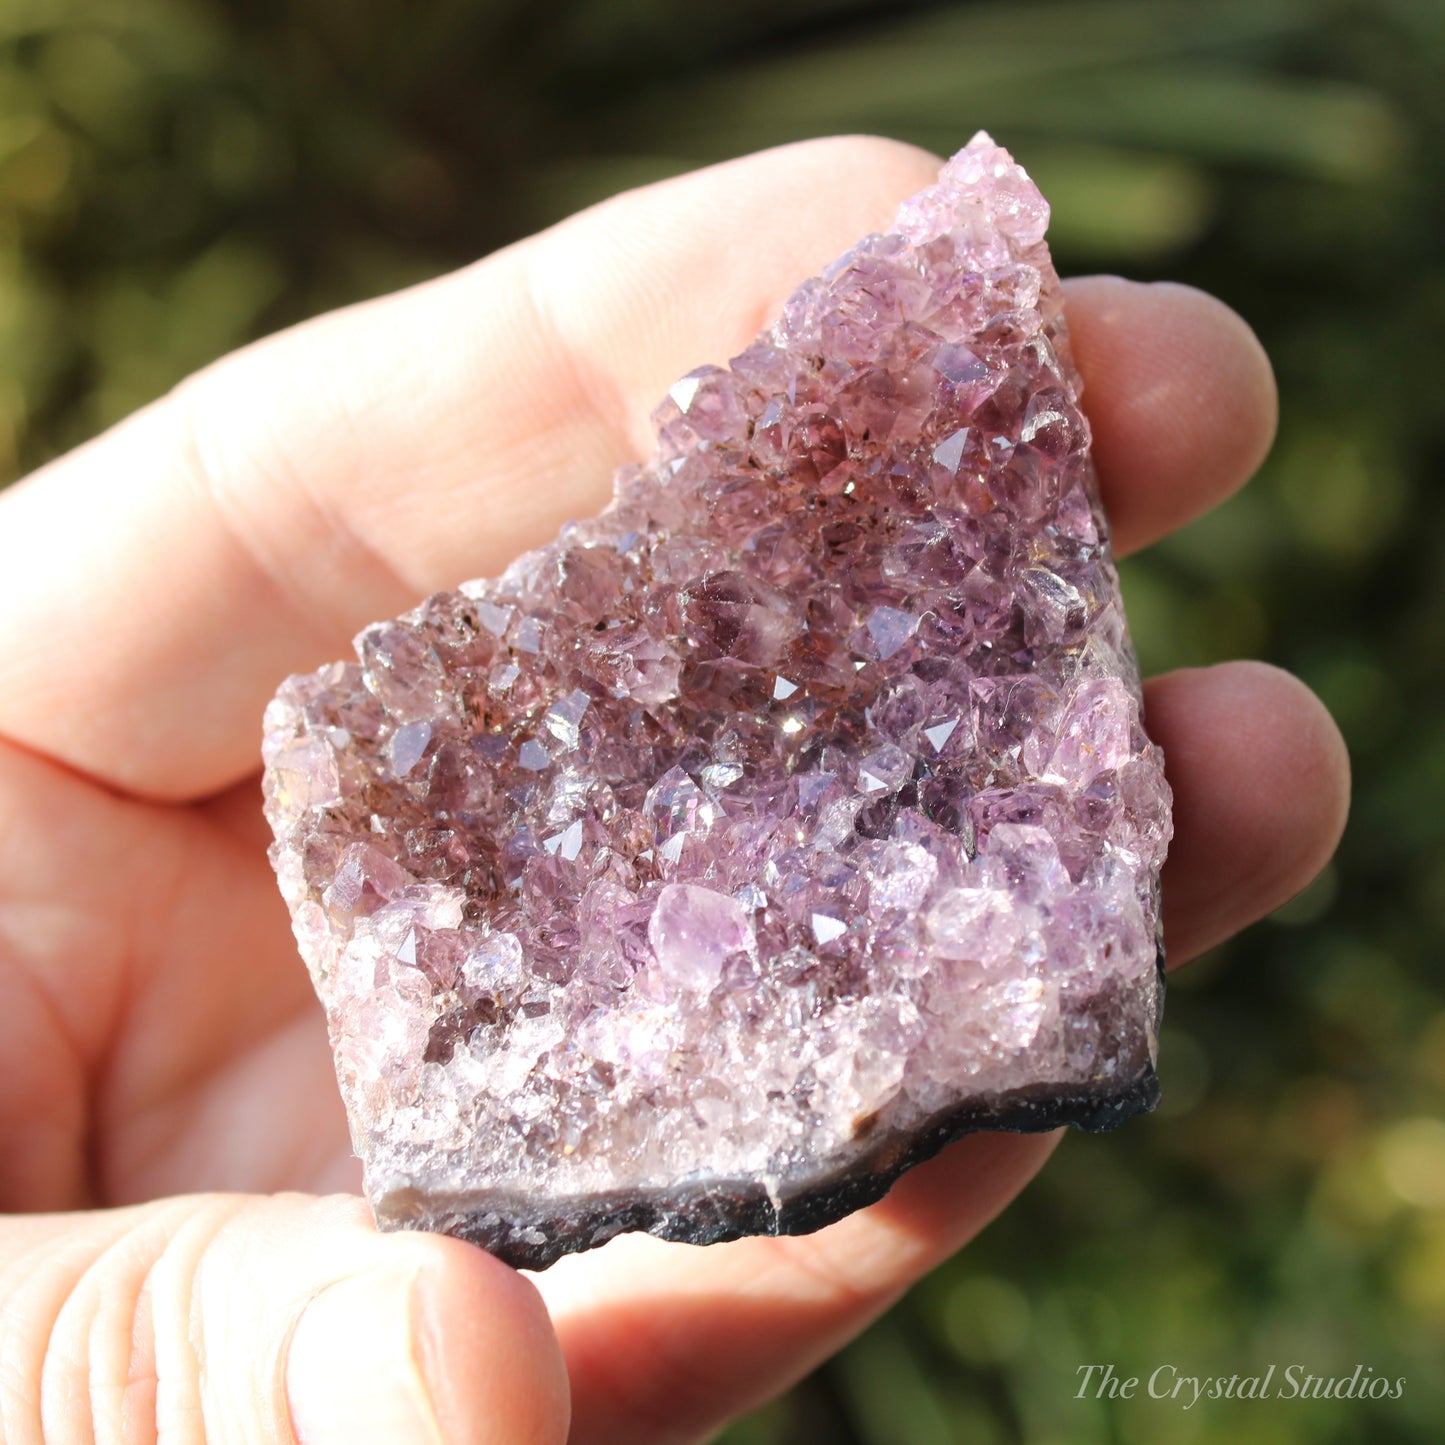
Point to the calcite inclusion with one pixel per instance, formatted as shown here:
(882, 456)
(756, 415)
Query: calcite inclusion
(738, 849)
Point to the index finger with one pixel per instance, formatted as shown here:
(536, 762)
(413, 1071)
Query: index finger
(157, 584)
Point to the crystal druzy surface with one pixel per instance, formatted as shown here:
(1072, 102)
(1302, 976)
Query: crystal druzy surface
(733, 852)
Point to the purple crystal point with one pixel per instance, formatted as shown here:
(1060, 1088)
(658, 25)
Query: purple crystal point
(737, 850)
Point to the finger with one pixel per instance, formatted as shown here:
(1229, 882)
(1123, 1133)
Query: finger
(247, 525)
(232, 1319)
(1180, 396)
(1261, 785)
(664, 1342)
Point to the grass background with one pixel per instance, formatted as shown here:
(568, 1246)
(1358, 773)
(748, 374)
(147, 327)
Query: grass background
(177, 176)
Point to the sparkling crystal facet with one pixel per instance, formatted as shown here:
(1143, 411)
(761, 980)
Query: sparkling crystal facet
(738, 849)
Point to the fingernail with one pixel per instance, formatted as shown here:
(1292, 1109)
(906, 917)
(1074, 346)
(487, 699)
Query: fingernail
(354, 1371)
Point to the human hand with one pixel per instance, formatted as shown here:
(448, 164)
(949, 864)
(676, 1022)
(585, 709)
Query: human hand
(160, 1036)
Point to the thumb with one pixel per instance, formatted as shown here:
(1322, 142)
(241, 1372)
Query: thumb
(231, 1318)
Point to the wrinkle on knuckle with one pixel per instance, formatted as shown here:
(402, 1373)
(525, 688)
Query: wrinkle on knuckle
(102, 1337)
(589, 393)
(66, 1309)
(195, 1297)
(262, 505)
(30, 1301)
(101, 1341)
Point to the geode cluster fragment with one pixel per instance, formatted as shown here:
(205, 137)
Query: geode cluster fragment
(735, 851)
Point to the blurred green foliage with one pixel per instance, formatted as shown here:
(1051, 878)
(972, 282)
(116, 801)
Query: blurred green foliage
(179, 175)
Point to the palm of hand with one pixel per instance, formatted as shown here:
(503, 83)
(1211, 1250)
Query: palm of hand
(160, 1036)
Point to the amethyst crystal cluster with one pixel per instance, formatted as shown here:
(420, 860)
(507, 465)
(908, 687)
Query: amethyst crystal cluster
(738, 849)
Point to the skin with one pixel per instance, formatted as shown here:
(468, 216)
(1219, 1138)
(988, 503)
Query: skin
(159, 1037)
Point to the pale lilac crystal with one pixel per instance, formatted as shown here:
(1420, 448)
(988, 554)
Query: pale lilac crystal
(741, 847)
(694, 931)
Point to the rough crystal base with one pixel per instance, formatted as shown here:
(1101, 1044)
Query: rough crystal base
(532, 1234)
